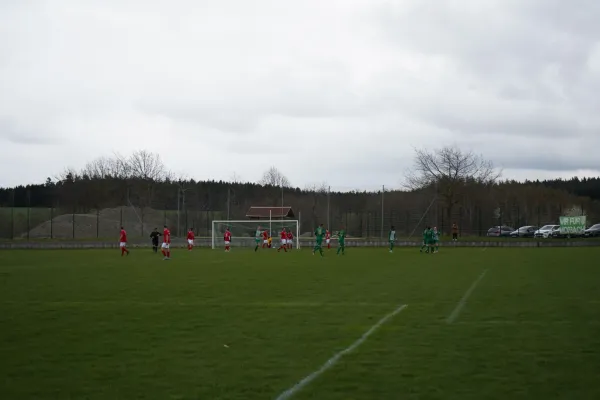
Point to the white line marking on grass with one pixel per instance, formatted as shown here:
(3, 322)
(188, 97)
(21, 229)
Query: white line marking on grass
(464, 299)
(527, 322)
(333, 360)
(196, 303)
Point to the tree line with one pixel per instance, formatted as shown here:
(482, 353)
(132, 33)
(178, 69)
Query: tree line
(443, 186)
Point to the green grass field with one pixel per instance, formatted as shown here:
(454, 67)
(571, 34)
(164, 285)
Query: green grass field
(479, 324)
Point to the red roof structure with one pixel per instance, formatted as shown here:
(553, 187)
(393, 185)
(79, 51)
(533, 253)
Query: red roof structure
(273, 212)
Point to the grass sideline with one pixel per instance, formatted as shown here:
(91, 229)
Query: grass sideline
(244, 325)
(416, 238)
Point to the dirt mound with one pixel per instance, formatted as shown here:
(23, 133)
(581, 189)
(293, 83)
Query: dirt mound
(103, 224)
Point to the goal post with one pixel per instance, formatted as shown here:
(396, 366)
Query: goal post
(243, 232)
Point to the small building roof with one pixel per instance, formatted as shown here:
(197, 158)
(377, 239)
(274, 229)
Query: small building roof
(273, 212)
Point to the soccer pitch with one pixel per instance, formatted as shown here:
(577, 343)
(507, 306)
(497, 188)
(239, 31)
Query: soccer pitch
(477, 324)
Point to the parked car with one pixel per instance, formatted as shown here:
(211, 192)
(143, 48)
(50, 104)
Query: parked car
(498, 231)
(557, 234)
(547, 231)
(592, 231)
(524, 231)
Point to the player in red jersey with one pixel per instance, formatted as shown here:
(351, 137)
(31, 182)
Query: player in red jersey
(265, 238)
(227, 239)
(166, 246)
(283, 237)
(290, 239)
(328, 239)
(190, 239)
(123, 242)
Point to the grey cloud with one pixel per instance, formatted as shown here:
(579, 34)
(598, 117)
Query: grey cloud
(502, 40)
(496, 33)
(221, 118)
(24, 139)
(524, 65)
(541, 122)
(551, 161)
(13, 134)
(515, 80)
(276, 94)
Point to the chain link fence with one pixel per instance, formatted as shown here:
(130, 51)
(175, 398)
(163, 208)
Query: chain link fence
(409, 219)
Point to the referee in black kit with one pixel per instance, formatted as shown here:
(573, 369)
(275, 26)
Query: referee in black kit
(154, 236)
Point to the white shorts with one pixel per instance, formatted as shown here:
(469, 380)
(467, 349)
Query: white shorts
(165, 245)
(265, 241)
(122, 244)
(191, 241)
(283, 241)
(327, 241)
(227, 243)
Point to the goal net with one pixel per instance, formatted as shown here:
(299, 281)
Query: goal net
(243, 232)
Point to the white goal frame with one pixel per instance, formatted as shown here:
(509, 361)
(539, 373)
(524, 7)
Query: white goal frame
(263, 223)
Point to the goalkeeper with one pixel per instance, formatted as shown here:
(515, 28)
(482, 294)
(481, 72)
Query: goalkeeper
(319, 233)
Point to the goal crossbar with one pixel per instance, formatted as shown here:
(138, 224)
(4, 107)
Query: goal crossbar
(264, 224)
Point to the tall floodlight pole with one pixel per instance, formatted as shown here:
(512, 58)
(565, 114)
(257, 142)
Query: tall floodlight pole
(382, 197)
(228, 201)
(328, 193)
(184, 209)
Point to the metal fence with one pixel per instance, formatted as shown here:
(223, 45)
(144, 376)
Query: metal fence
(28, 223)
(53, 223)
(141, 207)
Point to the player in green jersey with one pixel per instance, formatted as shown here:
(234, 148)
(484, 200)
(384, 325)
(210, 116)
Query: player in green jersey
(424, 245)
(319, 234)
(392, 238)
(429, 240)
(341, 242)
(257, 238)
(436, 239)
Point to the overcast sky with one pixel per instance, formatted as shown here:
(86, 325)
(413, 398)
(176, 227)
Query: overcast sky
(326, 90)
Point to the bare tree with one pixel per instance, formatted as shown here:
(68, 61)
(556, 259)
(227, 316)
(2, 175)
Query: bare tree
(146, 165)
(274, 177)
(100, 168)
(449, 170)
(69, 174)
(141, 171)
(119, 167)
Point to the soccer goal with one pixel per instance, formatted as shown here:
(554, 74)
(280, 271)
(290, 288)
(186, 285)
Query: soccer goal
(243, 232)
